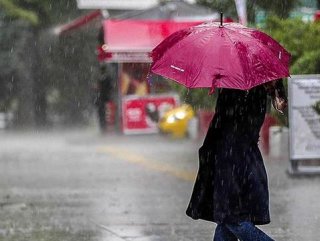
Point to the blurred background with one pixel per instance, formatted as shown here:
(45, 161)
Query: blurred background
(94, 147)
(51, 64)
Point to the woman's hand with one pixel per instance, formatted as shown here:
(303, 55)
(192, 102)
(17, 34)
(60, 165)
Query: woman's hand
(277, 93)
(279, 103)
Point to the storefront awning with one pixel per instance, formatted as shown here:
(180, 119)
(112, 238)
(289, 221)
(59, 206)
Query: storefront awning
(132, 40)
(77, 23)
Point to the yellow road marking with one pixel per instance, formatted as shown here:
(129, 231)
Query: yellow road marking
(135, 158)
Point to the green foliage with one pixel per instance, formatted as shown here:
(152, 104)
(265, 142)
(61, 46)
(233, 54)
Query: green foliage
(308, 63)
(302, 40)
(37, 12)
(295, 35)
(13, 10)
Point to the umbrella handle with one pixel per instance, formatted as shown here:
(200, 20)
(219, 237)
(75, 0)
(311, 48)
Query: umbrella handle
(221, 19)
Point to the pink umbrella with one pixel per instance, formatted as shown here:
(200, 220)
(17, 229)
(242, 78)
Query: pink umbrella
(220, 55)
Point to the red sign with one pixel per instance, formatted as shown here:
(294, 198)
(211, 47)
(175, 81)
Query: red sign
(141, 114)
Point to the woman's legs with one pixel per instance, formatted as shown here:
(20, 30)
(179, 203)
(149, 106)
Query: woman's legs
(222, 233)
(246, 231)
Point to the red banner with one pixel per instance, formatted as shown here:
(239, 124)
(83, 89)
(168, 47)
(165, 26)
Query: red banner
(141, 114)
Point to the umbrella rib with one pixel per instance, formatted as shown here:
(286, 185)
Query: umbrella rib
(203, 58)
(234, 46)
(184, 45)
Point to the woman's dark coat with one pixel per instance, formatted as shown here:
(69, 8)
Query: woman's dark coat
(231, 184)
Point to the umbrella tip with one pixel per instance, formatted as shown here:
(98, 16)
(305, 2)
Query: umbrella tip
(221, 19)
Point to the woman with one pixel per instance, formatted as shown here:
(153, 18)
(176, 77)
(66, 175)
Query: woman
(231, 188)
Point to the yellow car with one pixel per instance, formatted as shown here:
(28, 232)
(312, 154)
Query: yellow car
(175, 121)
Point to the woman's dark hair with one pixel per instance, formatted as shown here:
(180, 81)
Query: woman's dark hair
(279, 87)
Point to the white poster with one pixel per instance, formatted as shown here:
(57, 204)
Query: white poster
(119, 4)
(304, 114)
(116, 4)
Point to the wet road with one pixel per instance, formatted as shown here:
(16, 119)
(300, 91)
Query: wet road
(83, 186)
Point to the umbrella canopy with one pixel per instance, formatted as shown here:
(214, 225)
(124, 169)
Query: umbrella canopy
(225, 56)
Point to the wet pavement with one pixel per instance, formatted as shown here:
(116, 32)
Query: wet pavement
(79, 185)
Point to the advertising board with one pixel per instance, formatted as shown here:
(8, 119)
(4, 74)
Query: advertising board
(304, 114)
(141, 114)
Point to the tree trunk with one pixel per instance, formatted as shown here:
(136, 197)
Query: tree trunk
(23, 58)
(39, 87)
(32, 103)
